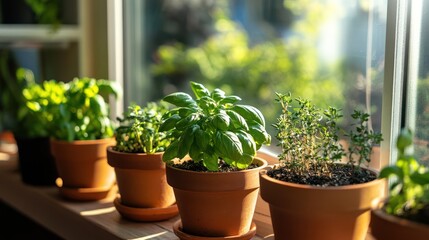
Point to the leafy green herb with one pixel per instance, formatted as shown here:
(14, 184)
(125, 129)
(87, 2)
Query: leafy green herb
(139, 130)
(84, 115)
(212, 127)
(409, 191)
(37, 113)
(309, 137)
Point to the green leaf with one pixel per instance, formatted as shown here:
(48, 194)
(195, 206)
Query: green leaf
(169, 123)
(259, 135)
(221, 121)
(188, 121)
(180, 99)
(109, 87)
(230, 100)
(391, 170)
(195, 152)
(186, 141)
(250, 113)
(211, 161)
(206, 103)
(171, 151)
(420, 178)
(228, 145)
(199, 90)
(237, 120)
(202, 138)
(244, 161)
(218, 94)
(98, 105)
(247, 142)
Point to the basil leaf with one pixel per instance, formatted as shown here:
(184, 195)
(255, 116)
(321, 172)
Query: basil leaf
(180, 99)
(211, 161)
(230, 99)
(169, 123)
(221, 121)
(237, 120)
(218, 94)
(250, 113)
(199, 90)
(202, 138)
(171, 151)
(228, 144)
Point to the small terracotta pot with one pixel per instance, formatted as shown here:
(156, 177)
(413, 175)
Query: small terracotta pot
(141, 179)
(216, 204)
(83, 163)
(307, 212)
(388, 227)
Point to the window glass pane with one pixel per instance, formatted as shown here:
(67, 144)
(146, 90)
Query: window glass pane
(329, 51)
(418, 82)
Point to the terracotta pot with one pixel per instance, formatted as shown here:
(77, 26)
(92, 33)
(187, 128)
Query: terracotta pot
(216, 204)
(388, 227)
(7, 136)
(83, 163)
(307, 212)
(35, 161)
(141, 179)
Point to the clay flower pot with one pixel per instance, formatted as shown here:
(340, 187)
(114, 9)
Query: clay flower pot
(307, 212)
(215, 204)
(142, 185)
(388, 227)
(83, 168)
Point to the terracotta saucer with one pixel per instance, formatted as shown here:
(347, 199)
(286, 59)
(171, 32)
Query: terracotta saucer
(145, 214)
(83, 194)
(177, 228)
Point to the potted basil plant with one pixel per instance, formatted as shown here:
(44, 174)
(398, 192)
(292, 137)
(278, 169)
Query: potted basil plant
(211, 163)
(318, 182)
(404, 214)
(82, 132)
(137, 159)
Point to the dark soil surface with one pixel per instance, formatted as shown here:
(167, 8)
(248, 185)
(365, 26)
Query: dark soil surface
(199, 166)
(340, 175)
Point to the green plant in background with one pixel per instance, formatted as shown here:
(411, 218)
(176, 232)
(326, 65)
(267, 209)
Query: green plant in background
(213, 127)
(85, 114)
(47, 12)
(409, 191)
(35, 117)
(139, 129)
(230, 61)
(309, 139)
(13, 80)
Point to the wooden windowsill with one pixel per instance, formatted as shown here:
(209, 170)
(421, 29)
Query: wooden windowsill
(99, 219)
(76, 220)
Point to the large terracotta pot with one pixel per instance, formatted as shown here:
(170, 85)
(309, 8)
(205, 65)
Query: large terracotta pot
(388, 227)
(303, 212)
(216, 204)
(83, 168)
(142, 184)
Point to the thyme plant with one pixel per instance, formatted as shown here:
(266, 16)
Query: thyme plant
(309, 137)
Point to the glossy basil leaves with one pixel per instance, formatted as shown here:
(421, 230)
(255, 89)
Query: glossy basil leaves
(213, 127)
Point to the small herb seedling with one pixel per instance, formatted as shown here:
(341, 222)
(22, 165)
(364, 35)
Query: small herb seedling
(139, 130)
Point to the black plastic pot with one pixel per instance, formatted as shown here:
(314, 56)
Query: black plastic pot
(36, 163)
